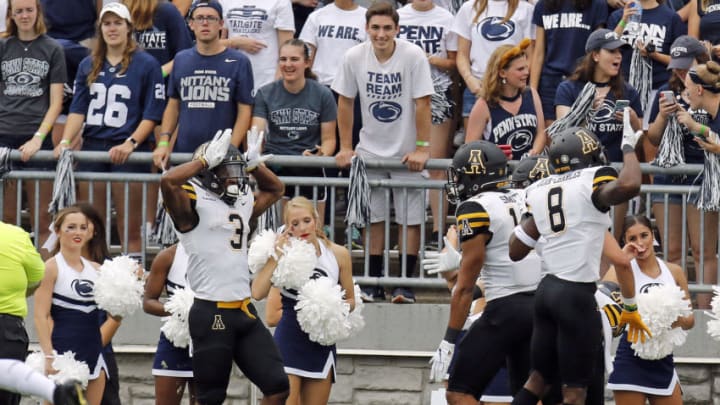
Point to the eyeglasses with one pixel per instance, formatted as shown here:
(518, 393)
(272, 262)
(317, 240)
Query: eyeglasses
(206, 19)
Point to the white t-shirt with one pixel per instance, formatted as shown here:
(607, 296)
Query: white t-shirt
(332, 31)
(489, 32)
(259, 19)
(387, 95)
(430, 30)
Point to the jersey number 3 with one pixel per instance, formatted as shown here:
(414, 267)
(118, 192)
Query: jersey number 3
(236, 241)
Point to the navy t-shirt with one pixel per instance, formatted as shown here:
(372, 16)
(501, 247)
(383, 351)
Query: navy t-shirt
(167, 36)
(660, 26)
(115, 103)
(566, 32)
(602, 121)
(209, 89)
(693, 151)
(710, 22)
(70, 19)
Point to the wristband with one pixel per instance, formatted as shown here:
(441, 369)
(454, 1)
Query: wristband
(702, 131)
(451, 335)
(165, 74)
(622, 23)
(422, 143)
(163, 143)
(65, 142)
(40, 135)
(629, 304)
(524, 237)
(627, 149)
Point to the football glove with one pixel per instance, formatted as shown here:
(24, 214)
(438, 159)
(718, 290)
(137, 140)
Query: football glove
(255, 141)
(440, 361)
(216, 150)
(630, 137)
(636, 329)
(448, 260)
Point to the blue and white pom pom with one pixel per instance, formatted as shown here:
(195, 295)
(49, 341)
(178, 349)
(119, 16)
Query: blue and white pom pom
(355, 320)
(261, 248)
(713, 325)
(36, 361)
(322, 312)
(175, 326)
(659, 308)
(296, 265)
(118, 289)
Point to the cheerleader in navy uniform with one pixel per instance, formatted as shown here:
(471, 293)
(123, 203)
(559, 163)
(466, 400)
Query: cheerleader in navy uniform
(635, 380)
(66, 316)
(310, 366)
(172, 366)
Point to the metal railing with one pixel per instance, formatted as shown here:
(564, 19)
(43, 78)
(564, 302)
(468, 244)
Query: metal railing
(335, 186)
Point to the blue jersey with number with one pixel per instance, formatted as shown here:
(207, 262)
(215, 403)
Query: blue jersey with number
(117, 101)
(209, 89)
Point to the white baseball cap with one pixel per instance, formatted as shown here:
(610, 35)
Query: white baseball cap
(118, 9)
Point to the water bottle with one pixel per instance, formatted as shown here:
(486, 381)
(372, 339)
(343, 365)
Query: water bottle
(633, 22)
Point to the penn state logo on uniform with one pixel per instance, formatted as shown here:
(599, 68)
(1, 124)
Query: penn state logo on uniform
(385, 111)
(494, 29)
(23, 79)
(644, 289)
(83, 288)
(317, 273)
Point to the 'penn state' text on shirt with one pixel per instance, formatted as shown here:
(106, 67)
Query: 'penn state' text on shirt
(426, 37)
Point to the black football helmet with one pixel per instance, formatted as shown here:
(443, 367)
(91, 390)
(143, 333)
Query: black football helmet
(228, 179)
(477, 166)
(529, 170)
(576, 148)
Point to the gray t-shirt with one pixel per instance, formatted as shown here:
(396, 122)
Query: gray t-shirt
(294, 119)
(27, 71)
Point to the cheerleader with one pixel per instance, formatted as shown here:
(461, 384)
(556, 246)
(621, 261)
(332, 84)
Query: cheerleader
(172, 366)
(635, 380)
(66, 315)
(310, 366)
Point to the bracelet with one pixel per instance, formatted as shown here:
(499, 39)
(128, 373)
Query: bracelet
(40, 135)
(622, 23)
(165, 74)
(163, 143)
(702, 131)
(451, 334)
(65, 142)
(422, 143)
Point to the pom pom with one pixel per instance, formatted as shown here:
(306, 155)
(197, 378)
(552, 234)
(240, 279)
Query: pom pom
(321, 311)
(296, 265)
(64, 185)
(659, 308)
(176, 327)
(355, 320)
(36, 361)
(358, 209)
(713, 325)
(69, 369)
(261, 248)
(118, 289)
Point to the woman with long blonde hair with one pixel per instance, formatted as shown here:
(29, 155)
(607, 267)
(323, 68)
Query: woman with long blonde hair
(509, 114)
(119, 97)
(311, 367)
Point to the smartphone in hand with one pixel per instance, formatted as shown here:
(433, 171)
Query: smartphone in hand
(668, 96)
(621, 104)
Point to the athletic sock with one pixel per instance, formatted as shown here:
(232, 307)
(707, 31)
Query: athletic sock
(376, 265)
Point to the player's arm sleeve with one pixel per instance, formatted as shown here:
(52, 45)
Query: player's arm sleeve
(472, 220)
(603, 175)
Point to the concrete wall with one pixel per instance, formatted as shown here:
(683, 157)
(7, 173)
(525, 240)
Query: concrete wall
(388, 362)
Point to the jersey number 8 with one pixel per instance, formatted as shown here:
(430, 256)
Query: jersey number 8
(555, 209)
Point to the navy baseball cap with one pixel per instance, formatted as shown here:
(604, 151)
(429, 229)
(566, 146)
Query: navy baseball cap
(205, 3)
(683, 52)
(604, 39)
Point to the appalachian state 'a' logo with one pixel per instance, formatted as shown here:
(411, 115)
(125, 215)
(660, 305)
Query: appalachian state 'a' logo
(589, 143)
(541, 169)
(475, 163)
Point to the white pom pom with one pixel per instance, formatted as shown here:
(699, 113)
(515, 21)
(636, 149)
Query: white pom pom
(261, 248)
(175, 327)
(36, 361)
(713, 325)
(659, 308)
(321, 311)
(70, 369)
(296, 265)
(118, 290)
(355, 320)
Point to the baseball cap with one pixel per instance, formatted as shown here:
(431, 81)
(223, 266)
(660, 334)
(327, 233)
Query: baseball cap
(205, 3)
(683, 52)
(604, 39)
(118, 9)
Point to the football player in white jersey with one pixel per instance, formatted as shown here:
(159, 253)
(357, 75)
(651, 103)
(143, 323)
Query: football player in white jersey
(570, 211)
(486, 217)
(211, 204)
